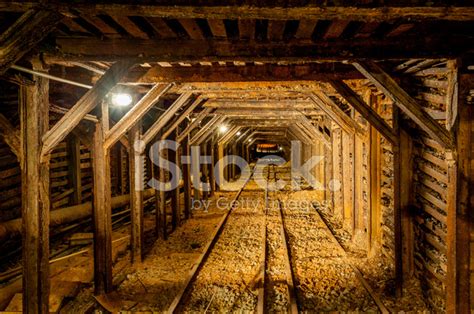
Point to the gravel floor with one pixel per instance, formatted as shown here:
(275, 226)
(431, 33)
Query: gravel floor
(228, 279)
(324, 279)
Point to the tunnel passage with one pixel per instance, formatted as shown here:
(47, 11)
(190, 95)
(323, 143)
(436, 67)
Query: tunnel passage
(266, 157)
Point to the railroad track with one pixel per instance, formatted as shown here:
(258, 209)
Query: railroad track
(375, 297)
(277, 261)
(178, 302)
(277, 284)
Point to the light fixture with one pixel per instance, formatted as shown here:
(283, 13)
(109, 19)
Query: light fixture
(280, 148)
(250, 139)
(238, 133)
(122, 100)
(223, 129)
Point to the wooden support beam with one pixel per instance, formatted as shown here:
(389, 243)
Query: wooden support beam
(27, 31)
(326, 104)
(135, 114)
(459, 206)
(407, 204)
(375, 211)
(185, 50)
(175, 194)
(212, 179)
(397, 224)
(155, 174)
(102, 213)
(348, 179)
(182, 116)
(162, 192)
(187, 180)
(205, 129)
(34, 103)
(388, 11)
(368, 113)
(137, 177)
(165, 117)
(229, 135)
(405, 102)
(307, 125)
(11, 136)
(191, 126)
(74, 165)
(87, 102)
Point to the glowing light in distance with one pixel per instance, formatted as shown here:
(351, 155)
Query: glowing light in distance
(223, 128)
(238, 133)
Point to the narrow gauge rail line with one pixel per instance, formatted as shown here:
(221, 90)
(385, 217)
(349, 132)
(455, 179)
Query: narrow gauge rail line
(207, 250)
(356, 270)
(290, 286)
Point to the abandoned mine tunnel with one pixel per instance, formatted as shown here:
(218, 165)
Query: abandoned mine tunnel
(236, 156)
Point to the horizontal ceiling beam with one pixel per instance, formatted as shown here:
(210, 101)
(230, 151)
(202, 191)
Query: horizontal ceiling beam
(249, 73)
(213, 9)
(184, 50)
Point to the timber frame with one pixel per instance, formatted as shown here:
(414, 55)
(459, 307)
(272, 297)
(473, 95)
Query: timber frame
(318, 80)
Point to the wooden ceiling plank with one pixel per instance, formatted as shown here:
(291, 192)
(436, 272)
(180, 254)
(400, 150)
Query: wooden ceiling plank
(27, 31)
(367, 29)
(367, 112)
(107, 30)
(84, 105)
(246, 29)
(336, 29)
(135, 114)
(73, 26)
(217, 28)
(385, 83)
(130, 27)
(400, 29)
(276, 29)
(192, 28)
(305, 29)
(160, 26)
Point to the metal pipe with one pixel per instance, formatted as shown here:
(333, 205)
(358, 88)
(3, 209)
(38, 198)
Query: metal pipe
(51, 77)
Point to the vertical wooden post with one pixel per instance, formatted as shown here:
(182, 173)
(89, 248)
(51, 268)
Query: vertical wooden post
(329, 175)
(164, 219)
(348, 179)
(205, 171)
(375, 195)
(220, 156)
(212, 179)
(337, 172)
(187, 180)
(74, 154)
(102, 213)
(196, 171)
(34, 109)
(137, 173)
(175, 212)
(397, 184)
(359, 214)
(155, 175)
(406, 202)
(459, 205)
